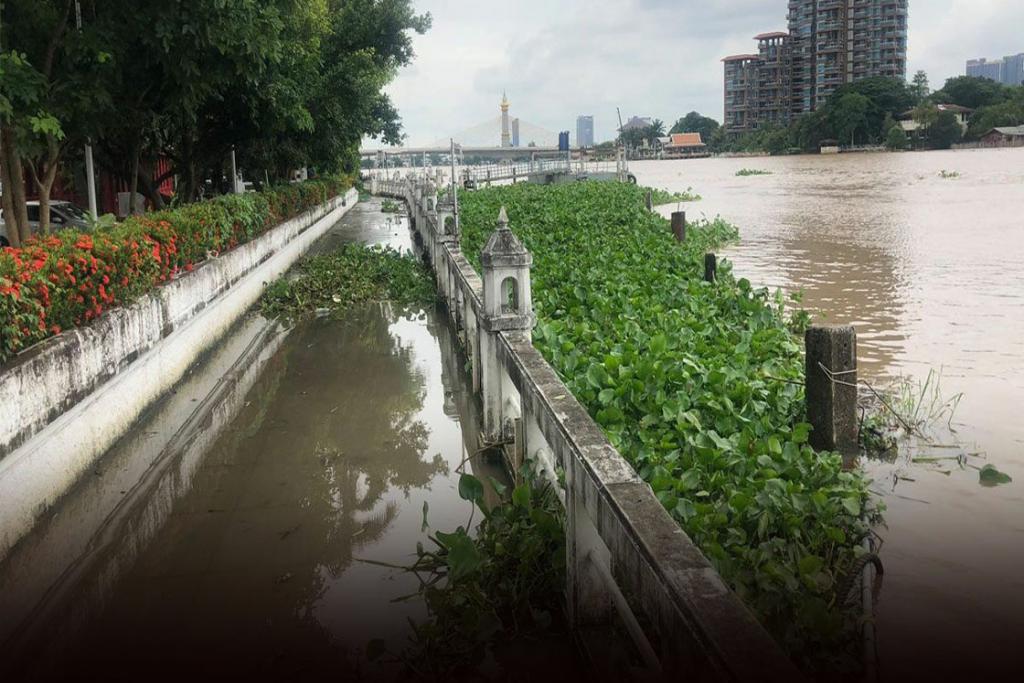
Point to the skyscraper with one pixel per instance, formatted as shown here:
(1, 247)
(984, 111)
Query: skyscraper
(982, 68)
(515, 132)
(1009, 70)
(829, 43)
(506, 136)
(584, 131)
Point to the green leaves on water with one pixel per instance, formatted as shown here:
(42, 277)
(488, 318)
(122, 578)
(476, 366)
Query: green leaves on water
(463, 557)
(348, 276)
(697, 385)
(990, 476)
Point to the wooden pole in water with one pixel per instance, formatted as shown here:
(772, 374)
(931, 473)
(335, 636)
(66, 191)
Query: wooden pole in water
(710, 267)
(831, 387)
(679, 225)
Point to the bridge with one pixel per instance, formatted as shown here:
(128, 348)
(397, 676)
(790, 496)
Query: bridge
(501, 137)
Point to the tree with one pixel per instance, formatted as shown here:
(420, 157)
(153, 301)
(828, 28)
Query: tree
(945, 131)
(849, 115)
(1009, 113)
(696, 123)
(896, 139)
(885, 96)
(919, 87)
(971, 92)
(925, 114)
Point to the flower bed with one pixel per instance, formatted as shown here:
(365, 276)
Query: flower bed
(56, 282)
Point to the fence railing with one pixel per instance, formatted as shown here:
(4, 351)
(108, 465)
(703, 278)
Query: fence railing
(626, 556)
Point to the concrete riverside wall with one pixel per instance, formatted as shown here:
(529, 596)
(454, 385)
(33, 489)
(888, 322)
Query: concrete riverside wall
(626, 557)
(67, 400)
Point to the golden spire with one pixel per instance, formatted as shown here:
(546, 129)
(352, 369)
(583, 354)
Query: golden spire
(504, 101)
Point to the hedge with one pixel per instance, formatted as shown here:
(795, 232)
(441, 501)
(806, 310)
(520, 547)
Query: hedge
(65, 280)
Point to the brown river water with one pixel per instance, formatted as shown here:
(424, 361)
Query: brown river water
(930, 271)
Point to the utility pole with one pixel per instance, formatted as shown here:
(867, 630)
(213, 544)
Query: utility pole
(90, 171)
(234, 172)
(455, 188)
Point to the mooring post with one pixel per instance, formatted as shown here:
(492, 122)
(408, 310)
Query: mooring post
(831, 391)
(710, 267)
(649, 200)
(679, 225)
(507, 306)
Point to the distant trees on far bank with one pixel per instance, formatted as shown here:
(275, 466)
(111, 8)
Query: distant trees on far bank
(867, 112)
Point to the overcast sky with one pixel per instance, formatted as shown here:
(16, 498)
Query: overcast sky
(658, 58)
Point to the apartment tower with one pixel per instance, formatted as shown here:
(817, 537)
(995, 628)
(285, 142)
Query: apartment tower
(829, 43)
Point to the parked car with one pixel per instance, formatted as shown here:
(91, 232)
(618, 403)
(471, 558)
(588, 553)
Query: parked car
(62, 215)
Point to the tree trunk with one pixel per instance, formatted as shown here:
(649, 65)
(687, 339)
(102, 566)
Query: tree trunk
(10, 218)
(19, 215)
(44, 176)
(150, 189)
(133, 181)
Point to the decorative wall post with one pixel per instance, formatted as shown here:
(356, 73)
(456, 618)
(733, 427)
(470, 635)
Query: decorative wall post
(507, 306)
(831, 391)
(373, 185)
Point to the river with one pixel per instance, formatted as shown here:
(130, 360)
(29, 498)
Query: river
(930, 270)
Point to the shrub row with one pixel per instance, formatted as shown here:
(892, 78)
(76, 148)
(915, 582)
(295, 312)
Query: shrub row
(64, 280)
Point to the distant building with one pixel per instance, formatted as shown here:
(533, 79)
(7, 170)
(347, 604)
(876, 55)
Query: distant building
(684, 146)
(635, 122)
(963, 116)
(515, 132)
(1006, 136)
(584, 131)
(982, 68)
(506, 133)
(1009, 70)
(829, 43)
(1013, 69)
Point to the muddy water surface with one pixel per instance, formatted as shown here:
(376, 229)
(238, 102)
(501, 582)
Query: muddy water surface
(930, 270)
(234, 549)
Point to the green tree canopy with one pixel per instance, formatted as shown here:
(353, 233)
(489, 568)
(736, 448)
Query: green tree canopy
(971, 92)
(696, 123)
(848, 115)
(945, 131)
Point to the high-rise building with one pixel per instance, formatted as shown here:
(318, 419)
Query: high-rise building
(1009, 70)
(506, 134)
(982, 68)
(584, 131)
(841, 41)
(515, 132)
(1013, 70)
(829, 43)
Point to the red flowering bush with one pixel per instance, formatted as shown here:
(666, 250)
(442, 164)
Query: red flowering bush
(56, 282)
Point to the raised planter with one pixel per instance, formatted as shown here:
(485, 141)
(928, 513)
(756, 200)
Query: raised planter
(64, 402)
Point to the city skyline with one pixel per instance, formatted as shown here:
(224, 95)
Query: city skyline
(652, 57)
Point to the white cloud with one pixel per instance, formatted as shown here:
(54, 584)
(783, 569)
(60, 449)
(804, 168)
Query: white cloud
(659, 58)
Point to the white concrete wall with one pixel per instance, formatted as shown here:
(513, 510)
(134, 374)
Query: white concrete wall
(67, 400)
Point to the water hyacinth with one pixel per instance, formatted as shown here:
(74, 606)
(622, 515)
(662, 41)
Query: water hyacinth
(698, 385)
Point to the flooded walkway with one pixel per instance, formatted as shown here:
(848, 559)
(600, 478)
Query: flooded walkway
(222, 539)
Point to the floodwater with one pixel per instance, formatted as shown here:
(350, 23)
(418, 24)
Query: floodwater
(224, 538)
(930, 270)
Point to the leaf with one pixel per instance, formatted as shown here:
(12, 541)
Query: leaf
(852, 505)
(774, 446)
(810, 564)
(990, 476)
(471, 488)
(521, 496)
(606, 396)
(659, 343)
(498, 487)
(597, 375)
(462, 556)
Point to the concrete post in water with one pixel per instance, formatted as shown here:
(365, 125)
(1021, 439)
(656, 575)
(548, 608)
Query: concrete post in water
(831, 391)
(679, 225)
(649, 200)
(710, 267)
(507, 306)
